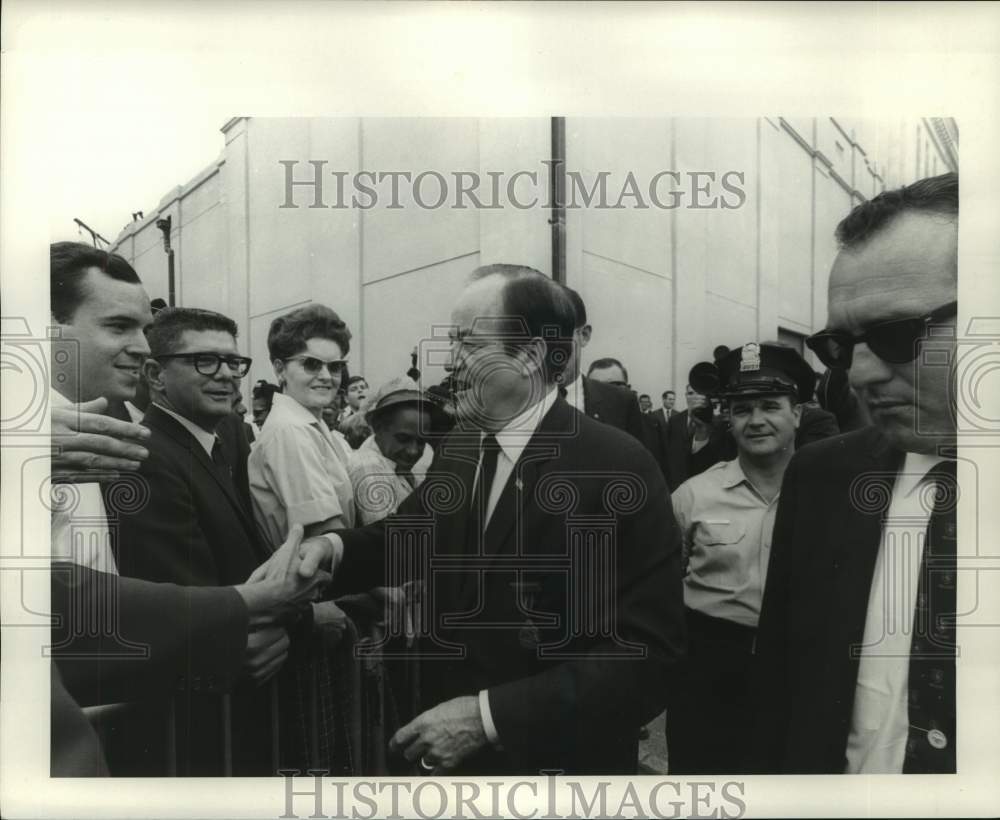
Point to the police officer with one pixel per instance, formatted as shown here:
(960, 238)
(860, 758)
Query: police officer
(726, 515)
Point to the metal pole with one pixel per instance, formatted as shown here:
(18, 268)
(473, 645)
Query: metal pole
(557, 183)
(164, 224)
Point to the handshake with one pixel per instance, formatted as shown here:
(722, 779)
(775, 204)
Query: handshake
(275, 592)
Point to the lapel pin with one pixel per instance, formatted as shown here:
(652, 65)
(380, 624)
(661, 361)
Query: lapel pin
(518, 484)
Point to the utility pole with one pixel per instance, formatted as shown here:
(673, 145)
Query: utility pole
(164, 225)
(94, 235)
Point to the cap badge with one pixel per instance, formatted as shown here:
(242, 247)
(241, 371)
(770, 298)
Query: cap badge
(750, 357)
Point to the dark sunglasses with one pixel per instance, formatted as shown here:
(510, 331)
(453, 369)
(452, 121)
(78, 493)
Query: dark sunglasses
(894, 342)
(313, 366)
(208, 364)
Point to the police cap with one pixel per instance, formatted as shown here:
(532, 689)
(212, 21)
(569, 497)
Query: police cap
(756, 369)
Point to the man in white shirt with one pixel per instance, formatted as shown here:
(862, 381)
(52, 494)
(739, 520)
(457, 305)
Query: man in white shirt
(100, 310)
(856, 644)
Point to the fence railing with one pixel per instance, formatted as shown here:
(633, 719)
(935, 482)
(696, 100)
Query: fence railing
(365, 702)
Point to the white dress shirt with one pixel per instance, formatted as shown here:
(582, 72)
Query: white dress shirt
(876, 743)
(513, 438)
(79, 520)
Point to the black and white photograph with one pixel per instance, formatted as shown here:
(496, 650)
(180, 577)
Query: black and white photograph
(449, 410)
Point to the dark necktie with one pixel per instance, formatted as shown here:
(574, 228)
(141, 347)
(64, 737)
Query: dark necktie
(489, 452)
(930, 744)
(219, 460)
(563, 392)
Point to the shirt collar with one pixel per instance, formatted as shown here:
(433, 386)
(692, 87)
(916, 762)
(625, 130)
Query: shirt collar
(203, 437)
(733, 474)
(291, 412)
(914, 471)
(574, 392)
(516, 434)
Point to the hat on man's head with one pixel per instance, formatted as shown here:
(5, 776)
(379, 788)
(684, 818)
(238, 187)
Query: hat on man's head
(401, 390)
(756, 369)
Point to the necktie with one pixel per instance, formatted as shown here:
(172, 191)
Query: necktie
(930, 744)
(489, 453)
(563, 392)
(219, 460)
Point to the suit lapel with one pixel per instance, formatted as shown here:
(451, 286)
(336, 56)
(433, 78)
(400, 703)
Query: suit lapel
(592, 405)
(859, 533)
(458, 460)
(159, 420)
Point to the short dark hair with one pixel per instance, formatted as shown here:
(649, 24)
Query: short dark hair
(932, 195)
(579, 308)
(289, 333)
(541, 309)
(355, 380)
(68, 265)
(605, 363)
(666, 393)
(264, 390)
(169, 325)
(645, 396)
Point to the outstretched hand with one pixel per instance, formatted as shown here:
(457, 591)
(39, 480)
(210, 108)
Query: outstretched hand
(281, 588)
(305, 557)
(89, 446)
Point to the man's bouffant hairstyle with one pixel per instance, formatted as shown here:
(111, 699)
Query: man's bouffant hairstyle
(534, 306)
(289, 333)
(169, 324)
(932, 195)
(68, 265)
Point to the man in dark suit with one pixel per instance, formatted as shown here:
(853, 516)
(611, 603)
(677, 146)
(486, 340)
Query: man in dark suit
(608, 399)
(525, 688)
(197, 528)
(856, 656)
(684, 439)
(114, 638)
(666, 411)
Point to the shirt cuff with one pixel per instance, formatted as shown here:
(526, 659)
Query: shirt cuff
(487, 717)
(336, 550)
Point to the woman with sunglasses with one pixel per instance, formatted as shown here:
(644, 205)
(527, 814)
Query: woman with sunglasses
(298, 469)
(298, 475)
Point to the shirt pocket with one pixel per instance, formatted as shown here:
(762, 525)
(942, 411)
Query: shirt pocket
(718, 533)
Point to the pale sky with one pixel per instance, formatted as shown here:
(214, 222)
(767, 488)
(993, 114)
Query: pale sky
(106, 171)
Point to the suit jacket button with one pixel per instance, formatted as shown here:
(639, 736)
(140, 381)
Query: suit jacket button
(937, 738)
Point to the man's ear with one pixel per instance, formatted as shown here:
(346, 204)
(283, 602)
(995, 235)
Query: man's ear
(585, 332)
(797, 414)
(153, 372)
(533, 355)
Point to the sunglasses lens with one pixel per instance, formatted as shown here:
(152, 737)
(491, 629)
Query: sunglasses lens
(834, 351)
(896, 342)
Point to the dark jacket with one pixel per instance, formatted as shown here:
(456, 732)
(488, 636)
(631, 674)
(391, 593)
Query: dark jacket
(579, 706)
(826, 539)
(196, 530)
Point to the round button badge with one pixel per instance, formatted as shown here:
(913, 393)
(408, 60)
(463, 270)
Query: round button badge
(937, 738)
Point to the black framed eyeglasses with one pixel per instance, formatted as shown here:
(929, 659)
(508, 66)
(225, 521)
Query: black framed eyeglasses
(208, 364)
(894, 341)
(313, 365)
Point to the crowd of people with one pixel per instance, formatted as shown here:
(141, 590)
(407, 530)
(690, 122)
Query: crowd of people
(539, 561)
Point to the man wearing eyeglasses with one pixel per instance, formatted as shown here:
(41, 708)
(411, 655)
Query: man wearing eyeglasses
(197, 528)
(856, 645)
